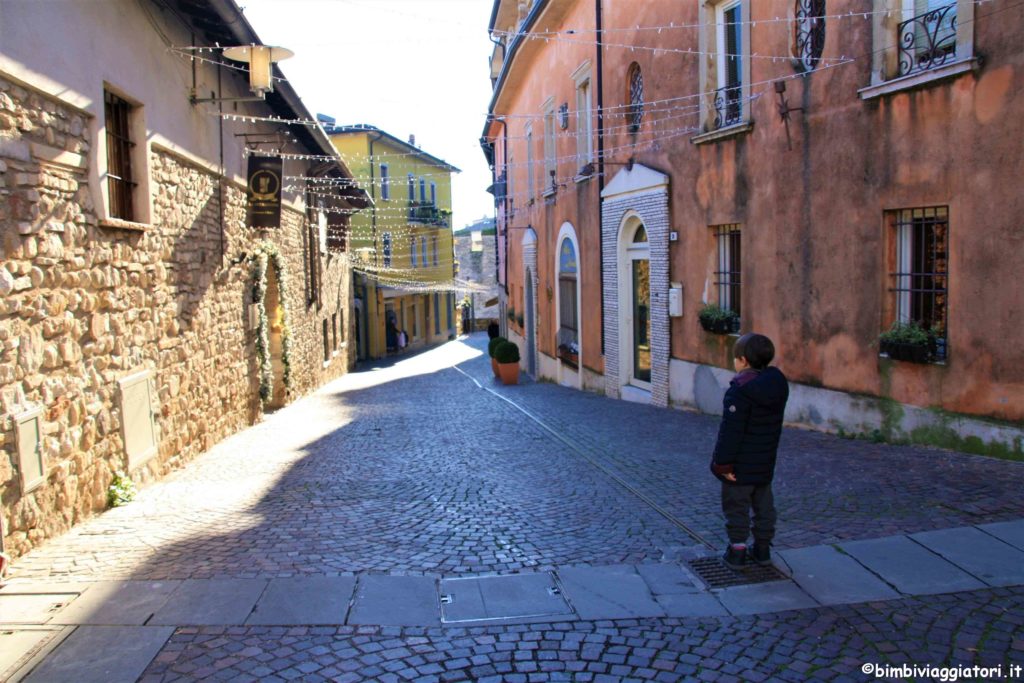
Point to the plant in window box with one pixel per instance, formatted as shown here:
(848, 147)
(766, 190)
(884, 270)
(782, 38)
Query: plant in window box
(714, 318)
(491, 346)
(570, 353)
(906, 341)
(507, 356)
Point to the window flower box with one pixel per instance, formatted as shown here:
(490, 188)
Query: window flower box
(718, 320)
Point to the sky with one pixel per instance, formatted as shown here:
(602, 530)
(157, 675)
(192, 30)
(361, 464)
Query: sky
(406, 66)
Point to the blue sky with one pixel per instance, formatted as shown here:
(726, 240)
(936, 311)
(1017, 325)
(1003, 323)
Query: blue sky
(408, 66)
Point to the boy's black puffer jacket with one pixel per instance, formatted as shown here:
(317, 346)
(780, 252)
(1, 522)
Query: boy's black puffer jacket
(752, 416)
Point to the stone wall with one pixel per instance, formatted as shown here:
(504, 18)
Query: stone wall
(479, 267)
(84, 304)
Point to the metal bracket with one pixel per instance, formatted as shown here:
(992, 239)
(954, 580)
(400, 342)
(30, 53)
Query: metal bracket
(785, 110)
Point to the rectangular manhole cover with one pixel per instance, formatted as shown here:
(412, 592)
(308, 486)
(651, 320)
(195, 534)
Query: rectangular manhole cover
(487, 598)
(32, 608)
(715, 574)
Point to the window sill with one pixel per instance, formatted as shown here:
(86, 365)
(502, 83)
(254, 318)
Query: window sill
(723, 133)
(118, 224)
(548, 192)
(912, 81)
(582, 178)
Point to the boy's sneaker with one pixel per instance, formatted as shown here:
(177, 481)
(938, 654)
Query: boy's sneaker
(735, 556)
(760, 553)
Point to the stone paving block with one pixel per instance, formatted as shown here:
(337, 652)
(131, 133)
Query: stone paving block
(981, 555)
(612, 592)
(18, 645)
(501, 597)
(833, 578)
(304, 601)
(910, 568)
(102, 654)
(669, 579)
(395, 601)
(1009, 532)
(32, 608)
(117, 603)
(691, 605)
(758, 598)
(210, 602)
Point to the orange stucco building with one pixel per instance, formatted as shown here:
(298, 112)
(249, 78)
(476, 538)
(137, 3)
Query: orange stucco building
(818, 171)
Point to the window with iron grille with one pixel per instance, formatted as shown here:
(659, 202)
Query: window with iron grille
(728, 274)
(927, 36)
(120, 183)
(568, 315)
(920, 281)
(809, 42)
(729, 96)
(635, 113)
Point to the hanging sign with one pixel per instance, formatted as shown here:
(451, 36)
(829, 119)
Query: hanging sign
(264, 192)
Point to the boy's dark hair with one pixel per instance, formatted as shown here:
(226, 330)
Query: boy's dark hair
(493, 330)
(757, 349)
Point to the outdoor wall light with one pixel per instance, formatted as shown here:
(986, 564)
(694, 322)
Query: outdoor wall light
(261, 59)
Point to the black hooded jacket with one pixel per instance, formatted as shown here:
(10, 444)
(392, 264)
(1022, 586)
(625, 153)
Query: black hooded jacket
(752, 415)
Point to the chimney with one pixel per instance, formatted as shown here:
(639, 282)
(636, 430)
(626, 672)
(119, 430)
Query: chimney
(412, 139)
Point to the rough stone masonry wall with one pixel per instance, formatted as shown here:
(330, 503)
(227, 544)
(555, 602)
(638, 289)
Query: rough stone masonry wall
(479, 267)
(83, 305)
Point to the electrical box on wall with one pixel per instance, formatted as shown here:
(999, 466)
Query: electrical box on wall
(675, 302)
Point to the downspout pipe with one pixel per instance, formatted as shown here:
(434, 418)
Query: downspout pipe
(599, 20)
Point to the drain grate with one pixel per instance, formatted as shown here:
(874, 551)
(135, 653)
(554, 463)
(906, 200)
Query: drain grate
(715, 574)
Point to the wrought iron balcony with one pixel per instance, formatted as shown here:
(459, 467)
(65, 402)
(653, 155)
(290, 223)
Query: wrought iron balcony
(928, 40)
(428, 214)
(728, 106)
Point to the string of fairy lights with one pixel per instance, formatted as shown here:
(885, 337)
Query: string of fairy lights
(663, 120)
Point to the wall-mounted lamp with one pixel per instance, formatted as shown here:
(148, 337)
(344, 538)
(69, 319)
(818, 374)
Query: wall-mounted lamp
(261, 60)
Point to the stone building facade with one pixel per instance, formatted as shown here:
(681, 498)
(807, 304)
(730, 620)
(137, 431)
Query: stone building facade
(476, 255)
(107, 325)
(833, 173)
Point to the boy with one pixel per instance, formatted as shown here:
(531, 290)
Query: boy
(744, 457)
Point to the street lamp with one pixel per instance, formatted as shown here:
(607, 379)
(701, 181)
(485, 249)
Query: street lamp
(260, 59)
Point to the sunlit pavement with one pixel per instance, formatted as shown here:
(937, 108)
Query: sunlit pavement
(314, 545)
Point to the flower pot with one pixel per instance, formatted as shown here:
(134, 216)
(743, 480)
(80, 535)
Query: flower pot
(509, 373)
(494, 367)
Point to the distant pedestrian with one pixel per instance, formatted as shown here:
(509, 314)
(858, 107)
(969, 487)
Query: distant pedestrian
(493, 330)
(745, 453)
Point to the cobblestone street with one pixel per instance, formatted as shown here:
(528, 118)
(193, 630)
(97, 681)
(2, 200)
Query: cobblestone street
(422, 467)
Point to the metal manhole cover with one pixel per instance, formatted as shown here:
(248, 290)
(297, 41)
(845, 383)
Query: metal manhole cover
(495, 598)
(715, 574)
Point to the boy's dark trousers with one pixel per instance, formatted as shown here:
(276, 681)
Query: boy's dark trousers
(737, 503)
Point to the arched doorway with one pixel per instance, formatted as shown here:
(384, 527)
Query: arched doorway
(635, 304)
(275, 318)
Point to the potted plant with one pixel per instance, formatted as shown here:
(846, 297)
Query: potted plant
(714, 318)
(906, 341)
(491, 346)
(507, 355)
(570, 353)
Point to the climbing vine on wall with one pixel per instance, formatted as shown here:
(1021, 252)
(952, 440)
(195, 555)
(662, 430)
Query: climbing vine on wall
(265, 255)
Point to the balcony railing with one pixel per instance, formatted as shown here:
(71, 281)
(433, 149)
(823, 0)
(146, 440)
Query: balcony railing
(928, 40)
(428, 214)
(728, 107)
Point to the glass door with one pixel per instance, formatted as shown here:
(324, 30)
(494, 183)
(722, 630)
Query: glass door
(642, 319)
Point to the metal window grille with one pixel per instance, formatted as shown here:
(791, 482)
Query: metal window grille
(810, 33)
(728, 276)
(568, 316)
(927, 40)
(636, 98)
(119, 156)
(921, 278)
(729, 97)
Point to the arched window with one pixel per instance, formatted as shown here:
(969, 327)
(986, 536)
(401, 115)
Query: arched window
(636, 98)
(568, 314)
(809, 41)
(640, 235)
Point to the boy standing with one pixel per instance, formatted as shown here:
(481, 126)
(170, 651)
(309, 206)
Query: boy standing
(748, 440)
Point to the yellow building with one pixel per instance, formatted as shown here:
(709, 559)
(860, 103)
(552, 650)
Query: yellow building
(403, 246)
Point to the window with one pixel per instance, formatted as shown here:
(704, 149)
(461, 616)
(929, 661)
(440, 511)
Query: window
(327, 344)
(550, 164)
(437, 313)
(334, 330)
(729, 96)
(927, 35)
(412, 188)
(385, 182)
(423, 251)
(531, 183)
(434, 248)
(423, 191)
(433, 194)
(386, 243)
(412, 251)
(448, 309)
(920, 279)
(635, 113)
(727, 275)
(568, 315)
(809, 33)
(120, 149)
(584, 117)
(316, 238)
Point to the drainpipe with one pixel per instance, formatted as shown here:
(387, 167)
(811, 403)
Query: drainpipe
(600, 156)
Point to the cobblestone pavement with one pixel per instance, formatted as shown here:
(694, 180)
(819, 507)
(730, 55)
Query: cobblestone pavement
(984, 629)
(412, 468)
